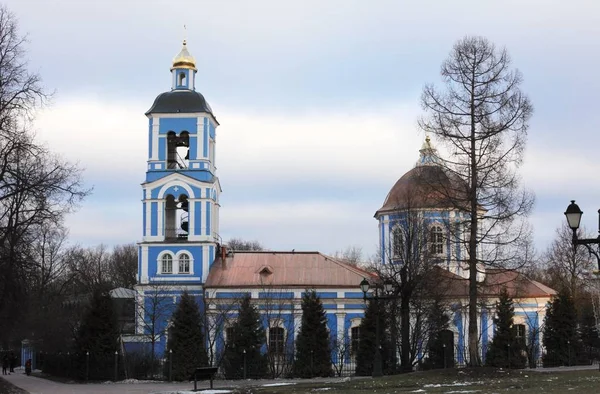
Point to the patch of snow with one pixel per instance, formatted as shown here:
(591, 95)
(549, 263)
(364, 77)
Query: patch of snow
(451, 384)
(277, 384)
(418, 391)
(463, 391)
(323, 389)
(195, 392)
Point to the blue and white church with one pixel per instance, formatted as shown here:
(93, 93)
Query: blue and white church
(180, 201)
(181, 249)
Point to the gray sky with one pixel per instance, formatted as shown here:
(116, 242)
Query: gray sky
(317, 100)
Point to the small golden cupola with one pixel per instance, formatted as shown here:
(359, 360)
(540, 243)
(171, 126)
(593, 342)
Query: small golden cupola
(184, 59)
(184, 70)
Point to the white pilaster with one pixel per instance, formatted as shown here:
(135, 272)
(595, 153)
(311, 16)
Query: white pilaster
(144, 265)
(155, 130)
(160, 232)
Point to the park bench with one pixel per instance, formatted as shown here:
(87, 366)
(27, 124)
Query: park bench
(203, 373)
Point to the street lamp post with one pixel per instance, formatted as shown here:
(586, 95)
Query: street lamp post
(574, 214)
(387, 289)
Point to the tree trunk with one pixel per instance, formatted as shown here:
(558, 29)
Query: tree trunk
(405, 333)
(474, 359)
(405, 321)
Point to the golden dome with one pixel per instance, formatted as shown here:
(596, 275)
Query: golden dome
(184, 59)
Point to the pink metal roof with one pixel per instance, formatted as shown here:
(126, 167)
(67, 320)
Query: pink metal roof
(283, 269)
(517, 285)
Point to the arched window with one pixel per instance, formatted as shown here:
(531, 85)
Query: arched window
(397, 242)
(436, 240)
(276, 340)
(181, 79)
(166, 264)
(184, 263)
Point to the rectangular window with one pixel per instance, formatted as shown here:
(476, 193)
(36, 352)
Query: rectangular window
(355, 337)
(276, 335)
(520, 332)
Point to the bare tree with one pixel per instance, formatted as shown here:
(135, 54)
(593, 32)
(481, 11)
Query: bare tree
(352, 255)
(482, 117)
(341, 347)
(415, 253)
(123, 264)
(36, 187)
(566, 266)
(154, 308)
(241, 244)
(279, 310)
(218, 315)
(89, 269)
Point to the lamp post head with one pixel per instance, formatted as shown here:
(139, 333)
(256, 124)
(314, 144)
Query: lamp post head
(364, 286)
(573, 214)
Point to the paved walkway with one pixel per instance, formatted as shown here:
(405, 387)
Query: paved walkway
(42, 386)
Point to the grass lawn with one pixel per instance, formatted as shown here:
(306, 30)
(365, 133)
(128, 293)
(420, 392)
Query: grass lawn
(483, 380)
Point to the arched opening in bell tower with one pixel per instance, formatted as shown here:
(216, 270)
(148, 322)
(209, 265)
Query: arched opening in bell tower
(183, 149)
(178, 150)
(176, 217)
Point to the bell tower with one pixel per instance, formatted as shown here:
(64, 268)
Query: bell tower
(180, 195)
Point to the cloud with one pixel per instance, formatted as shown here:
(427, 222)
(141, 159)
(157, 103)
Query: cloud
(310, 180)
(317, 100)
(352, 151)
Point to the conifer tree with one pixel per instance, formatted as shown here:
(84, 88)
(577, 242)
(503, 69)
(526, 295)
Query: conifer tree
(505, 350)
(98, 335)
(589, 331)
(365, 355)
(313, 351)
(186, 339)
(560, 331)
(248, 336)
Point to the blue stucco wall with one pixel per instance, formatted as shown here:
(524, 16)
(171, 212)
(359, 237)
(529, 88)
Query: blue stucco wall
(196, 251)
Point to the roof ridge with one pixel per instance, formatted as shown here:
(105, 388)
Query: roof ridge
(347, 266)
(277, 251)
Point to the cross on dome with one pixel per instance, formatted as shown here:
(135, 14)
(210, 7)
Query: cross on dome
(428, 153)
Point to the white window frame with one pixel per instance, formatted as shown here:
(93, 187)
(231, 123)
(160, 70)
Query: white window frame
(277, 323)
(354, 323)
(174, 262)
(431, 244)
(189, 263)
(396, 250)
(160, 263)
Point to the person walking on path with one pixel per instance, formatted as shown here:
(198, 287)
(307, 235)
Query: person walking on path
(13, 362)
(4, 364)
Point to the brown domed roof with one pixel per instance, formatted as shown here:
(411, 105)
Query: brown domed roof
(427, 185)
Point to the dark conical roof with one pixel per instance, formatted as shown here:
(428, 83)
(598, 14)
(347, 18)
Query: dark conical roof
(180, 101)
